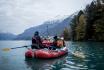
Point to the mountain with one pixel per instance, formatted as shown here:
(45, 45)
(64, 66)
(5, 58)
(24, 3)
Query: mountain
(54, 27)
(7, 36)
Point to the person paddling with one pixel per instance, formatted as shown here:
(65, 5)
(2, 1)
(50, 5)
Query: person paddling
(36, 41)
(57, 43)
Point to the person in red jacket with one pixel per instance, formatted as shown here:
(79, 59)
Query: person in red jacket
(36, 41)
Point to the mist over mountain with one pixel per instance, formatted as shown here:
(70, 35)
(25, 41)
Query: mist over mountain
(48, 28)
(51, 28)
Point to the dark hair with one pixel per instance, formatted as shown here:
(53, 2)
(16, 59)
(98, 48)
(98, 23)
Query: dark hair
(55, 37)
(36, 33)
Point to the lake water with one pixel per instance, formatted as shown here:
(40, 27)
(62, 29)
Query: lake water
(15, 60)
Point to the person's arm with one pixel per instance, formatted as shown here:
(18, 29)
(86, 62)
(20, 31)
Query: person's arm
(32, 40)
(40, 40)
(64, 43)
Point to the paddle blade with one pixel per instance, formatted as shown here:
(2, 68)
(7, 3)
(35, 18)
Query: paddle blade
(79, 54)
(6, 49)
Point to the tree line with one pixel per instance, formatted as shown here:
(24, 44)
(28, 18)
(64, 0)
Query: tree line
(88, 24)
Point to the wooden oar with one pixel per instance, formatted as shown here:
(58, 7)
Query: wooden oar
(8, 49)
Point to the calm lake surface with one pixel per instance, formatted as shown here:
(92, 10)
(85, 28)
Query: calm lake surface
(15, 59)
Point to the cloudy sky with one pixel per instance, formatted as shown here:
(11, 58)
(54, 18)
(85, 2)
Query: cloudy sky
(18, 15)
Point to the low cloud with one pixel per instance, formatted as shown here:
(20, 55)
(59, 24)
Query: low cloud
(18, 15)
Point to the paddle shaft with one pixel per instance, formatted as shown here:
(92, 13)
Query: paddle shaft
(7, 49)
(22, 46)
(17, 47)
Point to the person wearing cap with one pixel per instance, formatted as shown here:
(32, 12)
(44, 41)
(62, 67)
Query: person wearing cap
(36, 41)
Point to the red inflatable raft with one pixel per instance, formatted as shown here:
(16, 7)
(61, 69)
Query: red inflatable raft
(45, 53)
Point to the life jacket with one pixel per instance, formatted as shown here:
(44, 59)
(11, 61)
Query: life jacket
(60, 43)
(36, 40)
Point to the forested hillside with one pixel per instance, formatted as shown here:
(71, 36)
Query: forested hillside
(88, 24)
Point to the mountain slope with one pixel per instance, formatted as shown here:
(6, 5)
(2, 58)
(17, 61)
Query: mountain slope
(7, 36)
(55, 27)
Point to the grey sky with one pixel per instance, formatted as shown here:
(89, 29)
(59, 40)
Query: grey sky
(18, 15)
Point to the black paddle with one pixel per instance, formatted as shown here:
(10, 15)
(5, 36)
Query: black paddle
(7, 49)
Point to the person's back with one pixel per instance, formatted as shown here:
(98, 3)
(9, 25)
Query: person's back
(55, 41)
(36, 41)
(54, 44)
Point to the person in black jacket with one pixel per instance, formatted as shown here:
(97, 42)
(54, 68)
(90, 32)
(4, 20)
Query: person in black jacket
(36, 41)
(54, 44)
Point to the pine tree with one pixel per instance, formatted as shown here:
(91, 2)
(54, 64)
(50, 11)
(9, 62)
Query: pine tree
(66, 34)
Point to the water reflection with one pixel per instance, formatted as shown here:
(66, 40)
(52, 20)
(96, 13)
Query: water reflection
(94, 52)
(67, 62)
(45, 64)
